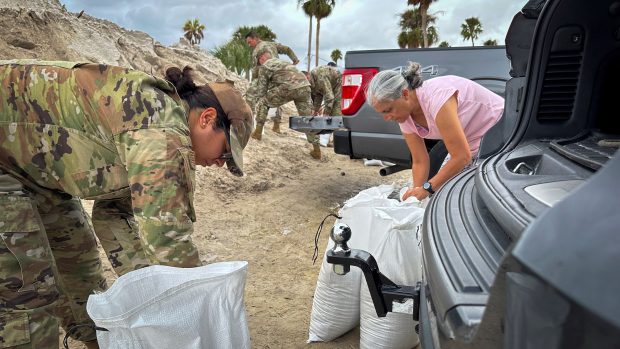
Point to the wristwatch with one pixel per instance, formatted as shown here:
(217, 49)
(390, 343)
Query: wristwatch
(428, 187)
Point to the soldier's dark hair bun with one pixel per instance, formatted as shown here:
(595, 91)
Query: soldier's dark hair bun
(182, 79)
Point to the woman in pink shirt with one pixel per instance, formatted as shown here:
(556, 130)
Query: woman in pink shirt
(455, 110)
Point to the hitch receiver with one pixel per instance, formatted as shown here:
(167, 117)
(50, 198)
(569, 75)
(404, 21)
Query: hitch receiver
(386, 295)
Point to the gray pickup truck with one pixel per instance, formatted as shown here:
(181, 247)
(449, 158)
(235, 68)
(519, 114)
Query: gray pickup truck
(362, 132)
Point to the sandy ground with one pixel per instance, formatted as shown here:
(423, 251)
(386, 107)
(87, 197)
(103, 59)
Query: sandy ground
(269, 218)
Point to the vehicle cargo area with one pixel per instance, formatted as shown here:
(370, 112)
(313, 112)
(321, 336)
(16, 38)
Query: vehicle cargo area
(564, 128)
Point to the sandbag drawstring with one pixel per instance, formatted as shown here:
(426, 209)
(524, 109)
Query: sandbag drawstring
(315, 255)
(74, 328)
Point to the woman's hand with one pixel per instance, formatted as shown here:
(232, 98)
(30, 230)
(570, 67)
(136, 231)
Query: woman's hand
(417, 192)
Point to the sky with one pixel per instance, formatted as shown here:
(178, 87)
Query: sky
(353, 24)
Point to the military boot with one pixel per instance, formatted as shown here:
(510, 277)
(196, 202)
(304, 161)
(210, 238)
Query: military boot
(316, 152)
(258, 132)
(276, 127)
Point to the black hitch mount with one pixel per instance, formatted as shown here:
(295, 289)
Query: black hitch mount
(385, 294)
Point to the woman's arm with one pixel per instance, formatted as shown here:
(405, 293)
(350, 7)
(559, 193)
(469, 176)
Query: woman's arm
(454, 138)
(420, 163)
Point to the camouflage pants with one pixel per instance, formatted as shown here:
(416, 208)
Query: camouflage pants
(331, 109)
(49, 264)
(252, 98)
(335, 108)
(117, 232)
(278, 96)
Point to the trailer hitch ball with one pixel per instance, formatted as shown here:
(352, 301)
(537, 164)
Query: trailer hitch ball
(340, 234)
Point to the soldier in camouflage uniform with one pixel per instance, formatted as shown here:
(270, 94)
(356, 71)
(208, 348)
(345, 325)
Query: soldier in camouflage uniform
(326, 85)
(117, 136)
(280, 82)
(258, 48)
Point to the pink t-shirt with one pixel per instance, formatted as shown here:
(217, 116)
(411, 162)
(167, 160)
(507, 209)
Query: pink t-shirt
(478, 108)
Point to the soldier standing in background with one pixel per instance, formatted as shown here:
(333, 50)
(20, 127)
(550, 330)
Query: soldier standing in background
(326, 85)
(258, 48)
(278, 83)
(120, 137)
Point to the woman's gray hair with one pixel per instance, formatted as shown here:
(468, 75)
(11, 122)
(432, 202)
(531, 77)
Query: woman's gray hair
(388, 85)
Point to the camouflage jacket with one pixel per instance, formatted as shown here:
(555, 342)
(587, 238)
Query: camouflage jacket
(274, 49)
(96, 131)
(325, 83)
(279, 74)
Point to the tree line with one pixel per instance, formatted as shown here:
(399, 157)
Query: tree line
(417, 24)
(418, 29)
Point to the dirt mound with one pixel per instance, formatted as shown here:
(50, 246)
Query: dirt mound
(44, 29)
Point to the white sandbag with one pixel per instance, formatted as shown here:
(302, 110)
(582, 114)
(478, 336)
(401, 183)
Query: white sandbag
(324, 139)
(335, 307)
(397, 250)
(162, 307)
(374, 162)
(412, 199)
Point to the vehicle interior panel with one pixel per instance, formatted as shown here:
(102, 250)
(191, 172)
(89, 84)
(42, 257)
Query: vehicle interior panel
(502, 182)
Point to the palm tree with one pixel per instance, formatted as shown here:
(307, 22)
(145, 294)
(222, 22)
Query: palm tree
(308, 8)
(318, 9)
(490, 42)
(410, 19)
(411, 35)
(431, 36)
(235, 56)
(262, 30)
(323, 9)
(336, 55)
(471, 29)
(410, 38)
(194, 31)
(424, 5)
(444, 44)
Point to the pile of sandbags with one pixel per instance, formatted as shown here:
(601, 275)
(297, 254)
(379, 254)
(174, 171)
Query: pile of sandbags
(389, 230)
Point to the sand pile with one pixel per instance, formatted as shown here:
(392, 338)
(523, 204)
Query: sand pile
(43, 29)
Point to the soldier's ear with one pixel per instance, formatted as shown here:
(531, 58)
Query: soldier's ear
(207, 116)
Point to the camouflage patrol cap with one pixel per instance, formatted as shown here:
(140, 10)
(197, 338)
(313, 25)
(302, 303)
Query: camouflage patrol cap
(241, 125)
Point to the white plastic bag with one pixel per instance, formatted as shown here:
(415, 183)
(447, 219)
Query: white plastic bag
(374, 162)
(397, 250)
(162, 307)
(335, 307)
(324, 139)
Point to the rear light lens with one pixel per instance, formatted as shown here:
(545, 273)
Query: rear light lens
(354, 82)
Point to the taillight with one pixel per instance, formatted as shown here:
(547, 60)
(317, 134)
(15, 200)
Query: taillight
(354, 82)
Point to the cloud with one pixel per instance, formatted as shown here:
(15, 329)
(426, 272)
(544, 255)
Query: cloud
(353, 25)
(495, 17)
